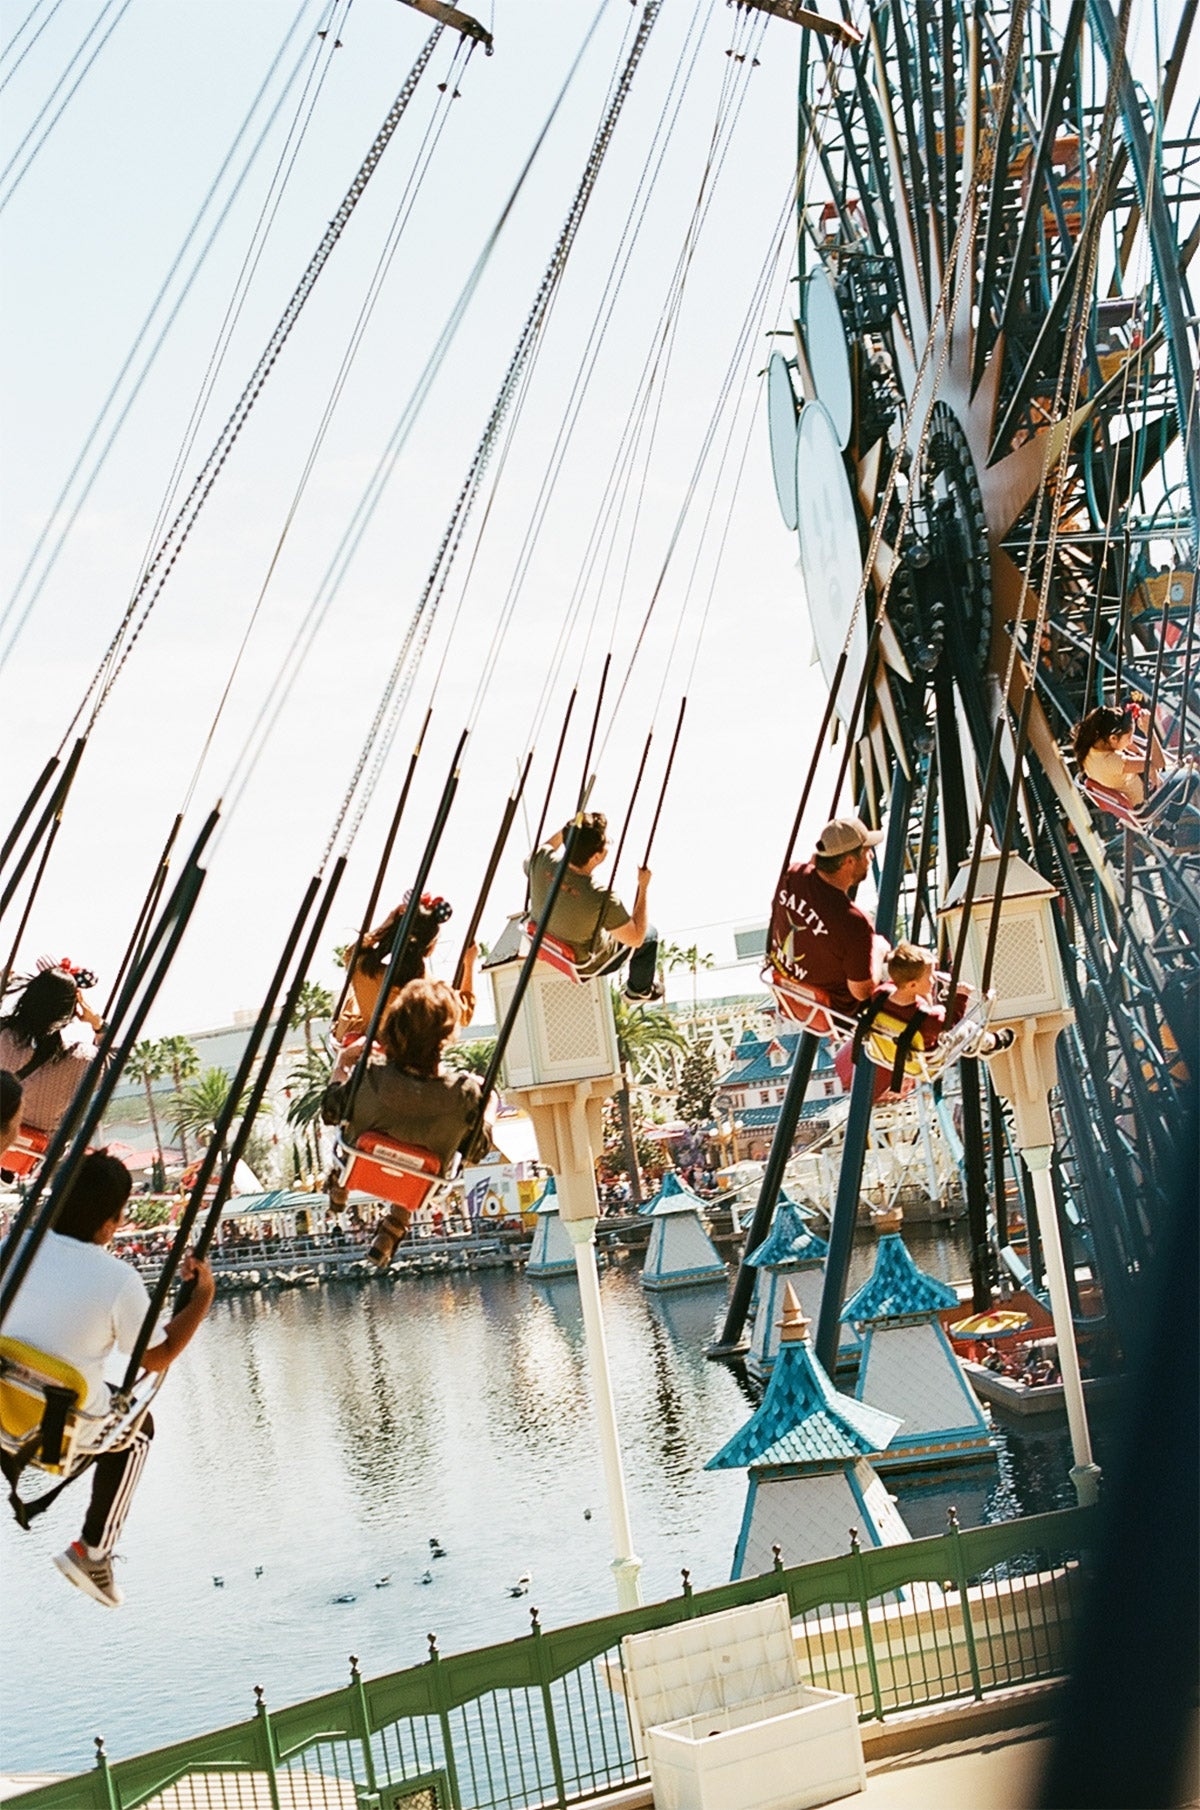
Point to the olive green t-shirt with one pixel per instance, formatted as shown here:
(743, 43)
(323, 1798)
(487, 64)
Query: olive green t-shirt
(581, 916)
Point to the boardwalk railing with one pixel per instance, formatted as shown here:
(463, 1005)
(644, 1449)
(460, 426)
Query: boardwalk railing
(543, 1720)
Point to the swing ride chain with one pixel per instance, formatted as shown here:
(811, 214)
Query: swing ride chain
(207, 476)
(439, 573)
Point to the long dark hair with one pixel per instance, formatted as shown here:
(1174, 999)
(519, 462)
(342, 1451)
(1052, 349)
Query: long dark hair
(35, 1020)
(1100, 725)
(372, 958)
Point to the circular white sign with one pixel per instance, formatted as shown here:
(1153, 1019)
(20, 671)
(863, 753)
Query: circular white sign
(831, 556)
(781, 425)
(828, 352)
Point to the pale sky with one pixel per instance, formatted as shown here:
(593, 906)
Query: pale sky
(87, 238)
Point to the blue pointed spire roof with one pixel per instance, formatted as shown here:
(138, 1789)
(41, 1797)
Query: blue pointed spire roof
(802, 1419)
(788, 1242)
(897, 1289)
(673, 1197)
(547, 1200)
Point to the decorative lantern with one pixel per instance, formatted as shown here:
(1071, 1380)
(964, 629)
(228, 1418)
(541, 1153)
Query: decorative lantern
(564, 1030)
(1027, 974)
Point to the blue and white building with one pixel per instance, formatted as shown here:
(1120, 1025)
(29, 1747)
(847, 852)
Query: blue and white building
(551, 1253)
(790, 1253)
(908, 1368)
(807, 1450)
(680, 1252)
(756, 1080)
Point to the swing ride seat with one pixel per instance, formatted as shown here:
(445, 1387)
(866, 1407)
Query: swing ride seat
(920, 1064)
(23, 1156)
(1107, 798)
(808, 1007)
(406, 1175)
(44, 1426)
(557, 955)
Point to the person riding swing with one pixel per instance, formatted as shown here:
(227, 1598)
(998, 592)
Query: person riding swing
(598, 931)
(406, 1095)
(821, 945)
(903, 1020)
(78, 1305)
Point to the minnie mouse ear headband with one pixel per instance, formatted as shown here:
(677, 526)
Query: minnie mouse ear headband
(83, 977)
(439, 909)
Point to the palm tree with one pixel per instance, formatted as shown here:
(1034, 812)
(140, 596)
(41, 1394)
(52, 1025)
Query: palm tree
(181, 1060)
(147, 1064)
(641, 1033)
(312, 1001)
(198, 1106)
(307, 1081)
(693, 958)
(473, 1057)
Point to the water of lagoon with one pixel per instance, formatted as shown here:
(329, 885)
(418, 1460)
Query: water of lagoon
(328, 1434)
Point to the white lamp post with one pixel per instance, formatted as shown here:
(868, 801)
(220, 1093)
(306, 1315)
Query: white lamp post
(1031, 997)
(562, 1063)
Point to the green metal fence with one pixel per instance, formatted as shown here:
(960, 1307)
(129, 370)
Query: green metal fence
(543, 1720)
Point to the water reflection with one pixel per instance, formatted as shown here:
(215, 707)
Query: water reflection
(327, 1435)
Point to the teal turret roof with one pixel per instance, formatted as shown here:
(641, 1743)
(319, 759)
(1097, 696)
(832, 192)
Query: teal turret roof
(789, 1241)
(897, 1289)
(673, 1197)
(547, 1200)
(803, 1420)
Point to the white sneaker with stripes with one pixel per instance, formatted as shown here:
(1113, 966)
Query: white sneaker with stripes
(93, 1576)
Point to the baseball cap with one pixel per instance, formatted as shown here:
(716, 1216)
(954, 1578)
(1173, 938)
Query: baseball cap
(844, 835)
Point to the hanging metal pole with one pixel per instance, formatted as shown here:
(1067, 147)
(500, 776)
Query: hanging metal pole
(731, 1340)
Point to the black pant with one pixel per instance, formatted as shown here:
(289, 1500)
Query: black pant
(114, 1479)
(643, 963)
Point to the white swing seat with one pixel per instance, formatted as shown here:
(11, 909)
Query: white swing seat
(808, 1007)
(405, 1175)
(26, 1152)
(43, 1423)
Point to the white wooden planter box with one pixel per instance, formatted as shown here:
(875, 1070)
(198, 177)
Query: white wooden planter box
(718, 1707)
(798, 1748)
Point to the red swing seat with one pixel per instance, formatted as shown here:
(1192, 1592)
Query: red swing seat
(23, 1156)
(406, 1175)
(557, 955)
(1107, 798)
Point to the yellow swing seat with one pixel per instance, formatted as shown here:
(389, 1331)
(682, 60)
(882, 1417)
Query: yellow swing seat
(43, 1423)
(881, 1043)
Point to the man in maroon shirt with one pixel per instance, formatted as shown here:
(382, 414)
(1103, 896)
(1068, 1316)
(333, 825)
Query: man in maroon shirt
(818, 937)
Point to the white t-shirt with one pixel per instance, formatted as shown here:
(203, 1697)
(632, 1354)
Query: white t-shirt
(79, 1303)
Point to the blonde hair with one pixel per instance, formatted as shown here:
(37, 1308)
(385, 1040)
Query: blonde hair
(420, 1020)
(907, 962)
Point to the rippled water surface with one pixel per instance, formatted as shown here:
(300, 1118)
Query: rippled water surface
(327, 1434)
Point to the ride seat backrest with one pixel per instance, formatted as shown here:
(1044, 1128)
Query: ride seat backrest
(557, 955)
(39, 1391)
(1106, 798)
(403, 1174)
(808, 1007)
(23, 1156)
